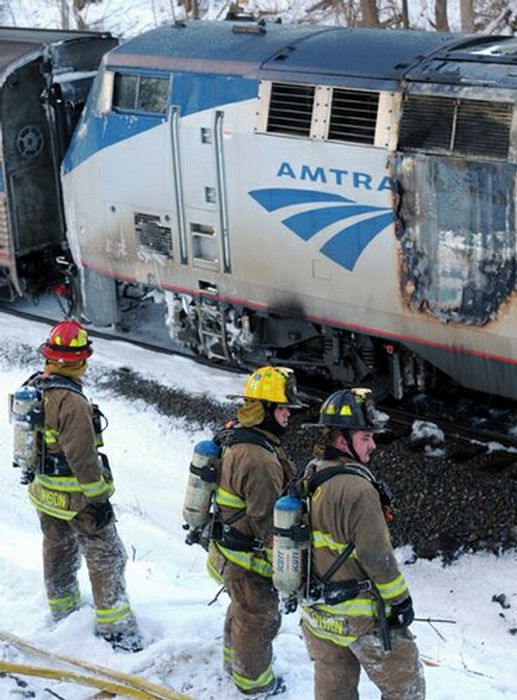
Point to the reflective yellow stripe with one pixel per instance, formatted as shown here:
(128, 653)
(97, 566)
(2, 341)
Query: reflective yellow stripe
(226, 498)
(96, 488)
(227, 654)
(331, 630)
(69, 484)
(66, 602)
(262, 681)
(393, 589)
(50, 436)
(357, 607)
(248, 560)
(106, 616)
(323, 539)
(213, 572)
(50, 510)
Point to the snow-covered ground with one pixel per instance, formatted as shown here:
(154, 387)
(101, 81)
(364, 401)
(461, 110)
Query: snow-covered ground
(167, 583)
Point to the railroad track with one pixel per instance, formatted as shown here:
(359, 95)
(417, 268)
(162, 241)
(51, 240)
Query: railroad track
(462, 442)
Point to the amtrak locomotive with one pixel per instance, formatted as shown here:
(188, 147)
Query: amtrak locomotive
(340, 200)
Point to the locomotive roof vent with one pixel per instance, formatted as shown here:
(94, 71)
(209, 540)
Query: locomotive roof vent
(290, 109)
(466, 127)
(353, 116)
(319, 112)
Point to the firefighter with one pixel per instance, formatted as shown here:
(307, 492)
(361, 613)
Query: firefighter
(71, 491)
(254, 473)
(365, 607)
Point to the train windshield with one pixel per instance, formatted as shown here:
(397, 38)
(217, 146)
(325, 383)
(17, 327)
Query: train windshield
(497, 47)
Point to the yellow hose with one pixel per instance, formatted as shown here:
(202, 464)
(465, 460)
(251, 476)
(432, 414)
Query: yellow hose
(72, 677)
(132, 684)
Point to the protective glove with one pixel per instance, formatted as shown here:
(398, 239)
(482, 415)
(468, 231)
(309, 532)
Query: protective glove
(104, 514)
(402, 614)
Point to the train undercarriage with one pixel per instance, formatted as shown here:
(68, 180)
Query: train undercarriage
(239, 336)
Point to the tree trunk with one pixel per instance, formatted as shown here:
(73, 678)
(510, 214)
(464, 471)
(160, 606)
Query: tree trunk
(440, 13)
(369, 13)
(64, 13)
(405, 14)
(77, 7)
(467, 16)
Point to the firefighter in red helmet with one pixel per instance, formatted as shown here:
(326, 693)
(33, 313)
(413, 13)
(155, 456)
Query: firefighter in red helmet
(71, 490)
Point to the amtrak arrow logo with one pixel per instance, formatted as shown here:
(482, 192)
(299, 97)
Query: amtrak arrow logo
(346, 246)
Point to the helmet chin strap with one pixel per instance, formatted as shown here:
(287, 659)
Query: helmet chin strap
(270, 423)
(349, 446)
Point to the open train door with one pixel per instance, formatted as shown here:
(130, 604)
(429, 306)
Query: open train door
(45, 79)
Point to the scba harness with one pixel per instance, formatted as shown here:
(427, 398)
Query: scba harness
(292, 570)
(204, 496)
(32, 438)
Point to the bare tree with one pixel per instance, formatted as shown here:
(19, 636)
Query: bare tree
(369, 13)
(440, 13)
(467, 15)
(77, 8)
(405, 14)
(6, 8)
(191, 8)
(346, 12)
(64, 14)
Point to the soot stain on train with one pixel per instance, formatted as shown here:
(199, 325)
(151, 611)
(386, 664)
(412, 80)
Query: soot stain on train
(456, 232)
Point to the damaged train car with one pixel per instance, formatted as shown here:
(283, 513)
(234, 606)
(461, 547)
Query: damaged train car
(45, 77)
(339, 200)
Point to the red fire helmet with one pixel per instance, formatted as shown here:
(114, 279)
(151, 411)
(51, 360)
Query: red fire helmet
(68, 341)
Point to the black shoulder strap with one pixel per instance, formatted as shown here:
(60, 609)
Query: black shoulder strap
(317, 480)
(56, 381)
(245, 436)
(33, 380)
(325, 474)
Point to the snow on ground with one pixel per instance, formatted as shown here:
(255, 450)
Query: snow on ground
(167, 583)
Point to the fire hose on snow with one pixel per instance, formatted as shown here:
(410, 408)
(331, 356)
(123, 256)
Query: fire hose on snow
(105, 679)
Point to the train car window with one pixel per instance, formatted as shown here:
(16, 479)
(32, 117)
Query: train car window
(151, 236)
(140, 93)
(353, 116)
(290, 109)
(125, 91)
(466, 127)
(153, 94)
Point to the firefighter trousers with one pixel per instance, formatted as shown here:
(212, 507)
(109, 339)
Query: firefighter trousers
(252, 622)
(63, 544)
(398, 673)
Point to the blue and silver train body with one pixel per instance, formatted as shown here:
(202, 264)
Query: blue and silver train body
(45, 77)
(338, 199)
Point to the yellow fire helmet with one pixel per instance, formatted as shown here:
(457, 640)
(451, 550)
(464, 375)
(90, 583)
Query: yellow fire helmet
(273, 384)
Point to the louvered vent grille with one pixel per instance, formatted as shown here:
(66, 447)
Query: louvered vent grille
(427, 123)
(467, 127)
(483, 128)
(353, 116)
(151, 236)
(290, 109)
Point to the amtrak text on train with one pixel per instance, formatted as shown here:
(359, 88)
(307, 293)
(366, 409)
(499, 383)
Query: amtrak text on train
(335, 176)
